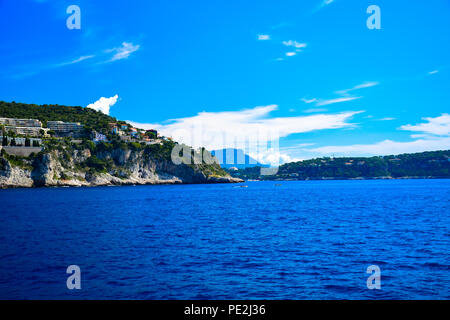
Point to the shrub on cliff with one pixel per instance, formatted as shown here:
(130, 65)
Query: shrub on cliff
(98, 165)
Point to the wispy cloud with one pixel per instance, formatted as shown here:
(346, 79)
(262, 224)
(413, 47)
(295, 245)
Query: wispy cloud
(345, 95)
(386, 147)
(31, 71)
(295, 44)
(336, 100)
(80, 59)
(357, 87)
(322, 4)
(434, 135)
(386, 119)
(315, 110)
(309, 100)
(433, 72)
(119, 53)
(263, 37)
(103, 104)
(124, 51)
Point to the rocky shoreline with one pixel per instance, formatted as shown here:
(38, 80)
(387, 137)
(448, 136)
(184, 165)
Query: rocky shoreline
(23, 180)
(132, 168)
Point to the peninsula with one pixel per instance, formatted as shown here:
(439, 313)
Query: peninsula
(53, 145)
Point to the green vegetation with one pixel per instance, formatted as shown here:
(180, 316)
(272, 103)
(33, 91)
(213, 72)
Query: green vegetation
(95, 164)
(160, 152)
(17, 161)
(425, 164)
(85, 156)
(90, 118)
(151, 134)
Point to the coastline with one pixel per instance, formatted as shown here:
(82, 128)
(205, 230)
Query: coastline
(177, 181)
(60, 168)
(359, 178)
(106, 180)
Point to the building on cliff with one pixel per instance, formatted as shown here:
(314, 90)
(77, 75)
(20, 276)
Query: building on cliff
(12, 122)
(26, 127)
(65, 129)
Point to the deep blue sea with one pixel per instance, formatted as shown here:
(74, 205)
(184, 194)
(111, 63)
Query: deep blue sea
(296, 240)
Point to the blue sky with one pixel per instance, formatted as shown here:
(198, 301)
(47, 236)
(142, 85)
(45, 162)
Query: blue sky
(310, 70)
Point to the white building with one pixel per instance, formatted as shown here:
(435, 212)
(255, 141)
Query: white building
(20, 122)
(65, 128)
(26, 127)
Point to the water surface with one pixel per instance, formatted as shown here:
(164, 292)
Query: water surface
(300, 240)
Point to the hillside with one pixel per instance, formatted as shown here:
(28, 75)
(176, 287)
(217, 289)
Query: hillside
(435, 164)
(67, 162)
(90, 118)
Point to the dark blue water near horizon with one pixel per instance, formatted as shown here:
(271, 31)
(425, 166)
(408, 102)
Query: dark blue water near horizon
(298, 240)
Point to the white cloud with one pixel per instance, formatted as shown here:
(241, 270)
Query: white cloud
(386, 119)
(433, 72)
(119, 53)
(124, 51)
(238, 129)
(80, 59)
(435, 135)
(104, 104)
(345, 96)
(336, 100)
(309, 100)
(295, 44)
(439, 126)
(272, 157)
(386, 147)
(357, 87)
(322, 5)
(263, 37)
(315, 110)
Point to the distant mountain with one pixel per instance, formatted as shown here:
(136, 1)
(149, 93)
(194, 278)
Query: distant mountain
(229, 158)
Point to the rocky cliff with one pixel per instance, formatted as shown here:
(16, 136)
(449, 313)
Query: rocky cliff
(67, 166)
